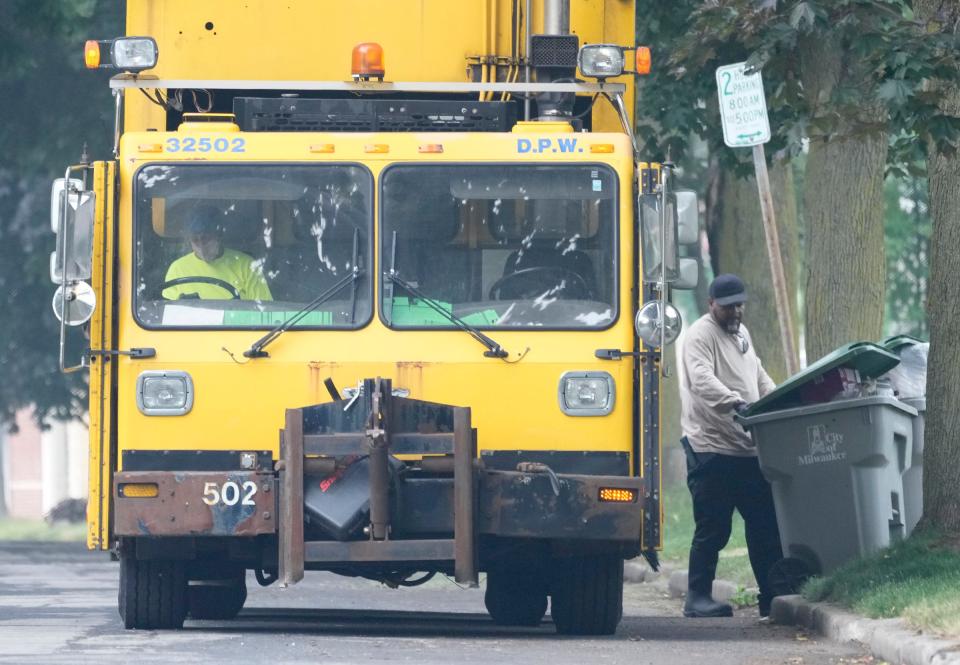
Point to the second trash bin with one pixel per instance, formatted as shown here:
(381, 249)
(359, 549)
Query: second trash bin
(909, 379)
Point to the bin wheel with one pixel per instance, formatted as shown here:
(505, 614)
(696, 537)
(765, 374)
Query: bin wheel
(514, 599)
(787, 576)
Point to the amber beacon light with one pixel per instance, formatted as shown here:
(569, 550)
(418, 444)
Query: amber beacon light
(367, 62)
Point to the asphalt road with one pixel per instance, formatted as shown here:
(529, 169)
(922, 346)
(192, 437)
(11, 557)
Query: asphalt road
(58, 605)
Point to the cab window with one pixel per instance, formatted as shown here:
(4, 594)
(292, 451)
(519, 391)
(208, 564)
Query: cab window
(247, 246)
(500, 246)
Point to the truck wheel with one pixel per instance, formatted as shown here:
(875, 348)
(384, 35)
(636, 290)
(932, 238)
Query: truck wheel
(587, 597)
(217, 599)
(153, 594)
(513, 600)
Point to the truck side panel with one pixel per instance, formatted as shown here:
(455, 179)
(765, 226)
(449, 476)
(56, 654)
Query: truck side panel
(102, 368)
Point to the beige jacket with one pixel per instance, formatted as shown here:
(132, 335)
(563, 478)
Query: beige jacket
(716, 376)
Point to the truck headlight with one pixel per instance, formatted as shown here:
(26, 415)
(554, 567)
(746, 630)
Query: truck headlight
(164, 393)
(134, 54)
(586, 393)
(601, 60)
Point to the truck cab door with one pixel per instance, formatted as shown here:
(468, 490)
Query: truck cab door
(102, 451)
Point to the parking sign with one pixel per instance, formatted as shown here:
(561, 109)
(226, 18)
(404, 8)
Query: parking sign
(743, 107)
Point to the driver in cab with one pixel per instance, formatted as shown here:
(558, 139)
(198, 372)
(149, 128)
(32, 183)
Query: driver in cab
(208, 270)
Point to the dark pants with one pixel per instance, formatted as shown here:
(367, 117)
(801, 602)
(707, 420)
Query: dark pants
(719, 484)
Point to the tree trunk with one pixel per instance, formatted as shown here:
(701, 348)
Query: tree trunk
(941, 455)
(843, 209)
(738, 245)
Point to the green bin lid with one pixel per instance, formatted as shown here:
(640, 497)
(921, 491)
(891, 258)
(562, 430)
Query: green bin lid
(870, 359)
(897, 342)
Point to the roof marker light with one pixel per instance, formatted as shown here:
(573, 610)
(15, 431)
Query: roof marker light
(430, 147)
(91, 54)
(324, 148)
(643, 60)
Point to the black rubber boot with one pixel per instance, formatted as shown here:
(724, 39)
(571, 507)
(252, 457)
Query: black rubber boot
(703, 606)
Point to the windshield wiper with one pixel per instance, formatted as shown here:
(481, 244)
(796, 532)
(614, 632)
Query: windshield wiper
(256, 349)
(494, 350)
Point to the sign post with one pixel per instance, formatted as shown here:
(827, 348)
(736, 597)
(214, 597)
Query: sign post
(743, 110)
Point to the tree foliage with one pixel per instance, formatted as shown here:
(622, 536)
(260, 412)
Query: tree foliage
(55, 107)
(895, 55)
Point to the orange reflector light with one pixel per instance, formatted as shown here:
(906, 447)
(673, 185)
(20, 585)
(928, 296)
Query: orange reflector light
(91, 54)
(376, 147)
(643, 60)
(150, 147)
(601, 147)
(431, 147)
(138, 490)
(323, 148)
(618, 495)
(367, 61)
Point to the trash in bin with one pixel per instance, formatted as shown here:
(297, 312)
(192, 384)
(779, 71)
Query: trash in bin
(909, 378)
(829, 377)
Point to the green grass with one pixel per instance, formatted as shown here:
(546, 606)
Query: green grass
(918, 580)
(20, 529)
(678, 534)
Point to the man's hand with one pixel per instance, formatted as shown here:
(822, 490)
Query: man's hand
(739, 409)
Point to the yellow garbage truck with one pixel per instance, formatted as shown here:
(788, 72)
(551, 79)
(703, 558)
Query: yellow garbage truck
(374, 288)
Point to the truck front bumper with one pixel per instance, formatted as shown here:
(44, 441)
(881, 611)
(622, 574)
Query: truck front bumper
(560, 506)
(194, 503)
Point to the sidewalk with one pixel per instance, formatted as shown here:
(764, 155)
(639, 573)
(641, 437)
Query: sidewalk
(889, 639)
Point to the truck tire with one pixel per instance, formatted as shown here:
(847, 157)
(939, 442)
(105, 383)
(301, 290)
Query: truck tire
(587, 595)
(217, 600)
(514, 599)
(153, 594)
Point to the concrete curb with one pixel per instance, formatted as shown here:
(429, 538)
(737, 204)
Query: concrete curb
(638, 571)
(889, 639)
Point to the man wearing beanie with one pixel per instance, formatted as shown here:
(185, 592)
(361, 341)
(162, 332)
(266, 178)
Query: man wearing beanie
(721, 376)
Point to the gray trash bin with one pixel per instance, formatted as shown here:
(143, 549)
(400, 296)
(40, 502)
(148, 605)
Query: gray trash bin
(913, 476)
(836, 474)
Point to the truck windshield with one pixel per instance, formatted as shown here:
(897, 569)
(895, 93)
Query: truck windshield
(247, 246)
(501, 246)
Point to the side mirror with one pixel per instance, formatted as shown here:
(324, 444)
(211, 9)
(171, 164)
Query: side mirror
(73, 304)
(71, 217)
(657, 238)
(658, 324)
(689, 275)
(688, 217)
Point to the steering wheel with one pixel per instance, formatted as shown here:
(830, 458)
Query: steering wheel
(574, 284)
(226, 286)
